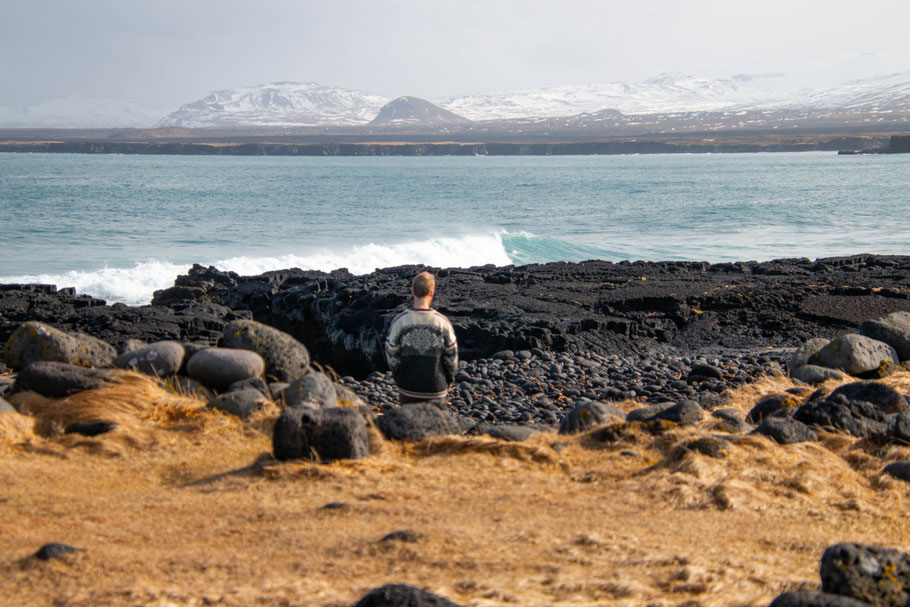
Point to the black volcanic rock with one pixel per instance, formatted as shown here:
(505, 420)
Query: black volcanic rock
(181, 320)
(593, 307)
(414, 111)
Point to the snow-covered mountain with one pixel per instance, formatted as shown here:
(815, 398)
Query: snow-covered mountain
(670, 93)
(406, 111)
(78, 112)
(665, 93)
(279, 104)
(882, 93)
(310, 104)
(293, 104)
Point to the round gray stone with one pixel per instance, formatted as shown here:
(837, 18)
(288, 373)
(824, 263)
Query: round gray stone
(417, 421)
(814, 374)
(588, 414)
(855, 354)
(241, 403)
(684, 413)
(311, 390)
(220, 367)
(786, 430)
(161, 359)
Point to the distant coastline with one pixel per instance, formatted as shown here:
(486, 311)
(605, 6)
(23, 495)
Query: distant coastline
(76, 142)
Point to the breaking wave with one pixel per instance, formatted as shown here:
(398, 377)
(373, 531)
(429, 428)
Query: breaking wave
(135, 285)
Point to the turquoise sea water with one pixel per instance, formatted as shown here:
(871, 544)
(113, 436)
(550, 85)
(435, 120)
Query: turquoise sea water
(121, 226)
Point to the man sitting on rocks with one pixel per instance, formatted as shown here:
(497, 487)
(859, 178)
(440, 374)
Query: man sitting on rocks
(420, 348)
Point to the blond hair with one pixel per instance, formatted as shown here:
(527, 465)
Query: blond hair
(423, 284)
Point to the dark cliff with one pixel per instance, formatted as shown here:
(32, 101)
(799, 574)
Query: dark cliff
(643, 146)
(899, 144)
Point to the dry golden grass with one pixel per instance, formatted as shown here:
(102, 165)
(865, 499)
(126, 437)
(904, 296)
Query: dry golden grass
(183, 506)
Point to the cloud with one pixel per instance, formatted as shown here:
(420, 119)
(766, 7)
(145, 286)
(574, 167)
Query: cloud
(167, 52)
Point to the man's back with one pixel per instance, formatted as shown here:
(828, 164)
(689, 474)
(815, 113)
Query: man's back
(422, 353)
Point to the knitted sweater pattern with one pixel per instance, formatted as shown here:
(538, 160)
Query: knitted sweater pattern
(422, 353)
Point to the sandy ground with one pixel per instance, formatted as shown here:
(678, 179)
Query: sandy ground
(180, 506)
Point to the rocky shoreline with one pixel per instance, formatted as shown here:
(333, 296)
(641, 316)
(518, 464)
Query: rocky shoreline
(534, 340)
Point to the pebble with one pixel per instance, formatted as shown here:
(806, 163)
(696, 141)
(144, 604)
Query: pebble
(538, 387)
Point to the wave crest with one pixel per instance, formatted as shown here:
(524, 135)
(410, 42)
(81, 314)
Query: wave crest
(136, 285)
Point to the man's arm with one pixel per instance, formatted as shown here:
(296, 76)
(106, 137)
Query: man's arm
(392, 348)
(450, 356)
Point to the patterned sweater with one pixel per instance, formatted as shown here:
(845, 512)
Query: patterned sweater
(422, 353)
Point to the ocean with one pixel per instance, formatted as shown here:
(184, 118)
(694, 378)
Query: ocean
(119, 227)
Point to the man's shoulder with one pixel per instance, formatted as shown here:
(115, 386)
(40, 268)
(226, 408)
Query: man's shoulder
(420, 316)
(401, 315)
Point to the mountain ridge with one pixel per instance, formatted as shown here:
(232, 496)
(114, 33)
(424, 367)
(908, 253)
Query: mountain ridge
(291, 104)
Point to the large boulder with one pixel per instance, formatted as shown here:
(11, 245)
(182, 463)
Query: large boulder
(402, 595)
(286, 359)
(220, 367)
(161, 359)
(883, 396)
(322, 434)
(56, 379)
(838, 413)
(587, 414)
(893, 329)
(311, 390)
(879, 576)
(854, 354)
(38, 342)
(417, 421)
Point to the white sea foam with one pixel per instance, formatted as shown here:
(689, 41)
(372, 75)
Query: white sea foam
(136, 285)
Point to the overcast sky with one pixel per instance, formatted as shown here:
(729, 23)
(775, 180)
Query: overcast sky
(164, 53)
